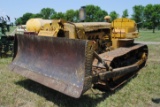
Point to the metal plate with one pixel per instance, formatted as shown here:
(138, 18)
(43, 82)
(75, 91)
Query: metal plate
(59, 63)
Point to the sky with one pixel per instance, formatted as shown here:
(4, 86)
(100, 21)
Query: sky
(16, 8)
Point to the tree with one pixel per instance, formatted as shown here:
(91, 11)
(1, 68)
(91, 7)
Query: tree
(125, 13)
(19, 21)
(100, 15)
(71, 15)
(152, 15)
(157, 8)
(95, 13)
(138, 15)
(23, 19)
(26, 17)
(38, 15)
(76, 18)
(58, 15)
(47, 13)
(113, 15)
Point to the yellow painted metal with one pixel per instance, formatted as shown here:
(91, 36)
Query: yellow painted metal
(116, 42)
(50, 29)
(44, 27)
(36, 24)
(123, 33)
(74, 30)
(124, 28)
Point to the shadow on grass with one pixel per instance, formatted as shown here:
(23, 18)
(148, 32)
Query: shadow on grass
(156, 100)
(59, 99)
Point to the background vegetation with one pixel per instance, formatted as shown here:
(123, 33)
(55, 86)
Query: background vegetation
(141, 91)
(147, 36)
(146, 16)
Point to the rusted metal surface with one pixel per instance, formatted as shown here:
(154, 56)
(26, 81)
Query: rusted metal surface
(119, 54)
(118, 71)
(124, 63)
(128, 61)
(59, 63)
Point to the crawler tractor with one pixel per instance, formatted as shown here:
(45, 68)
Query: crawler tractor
(73, 57)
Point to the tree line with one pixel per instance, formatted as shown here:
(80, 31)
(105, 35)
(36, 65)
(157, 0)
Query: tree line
(145, 16)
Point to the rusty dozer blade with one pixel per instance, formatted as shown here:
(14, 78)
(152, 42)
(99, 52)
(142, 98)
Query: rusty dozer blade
(59, 63)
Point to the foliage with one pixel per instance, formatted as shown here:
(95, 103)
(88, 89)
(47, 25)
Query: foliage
(125, 13)
(47, 13)
(3, 26)
(18, 21)
(138, 11)
(146, 16)
(152, 15)
(95, 14)
(58, 15)
(113, 15)
(71, 15)
(38, 15)
(23, 19)
(138, 15)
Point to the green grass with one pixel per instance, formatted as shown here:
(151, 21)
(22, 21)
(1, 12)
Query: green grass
(149, 36)
(18, 91)
(141, 91)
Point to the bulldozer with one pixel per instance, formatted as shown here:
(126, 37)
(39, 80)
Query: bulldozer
(73, 57)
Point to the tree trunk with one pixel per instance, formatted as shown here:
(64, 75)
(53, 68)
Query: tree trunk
(153, 28)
